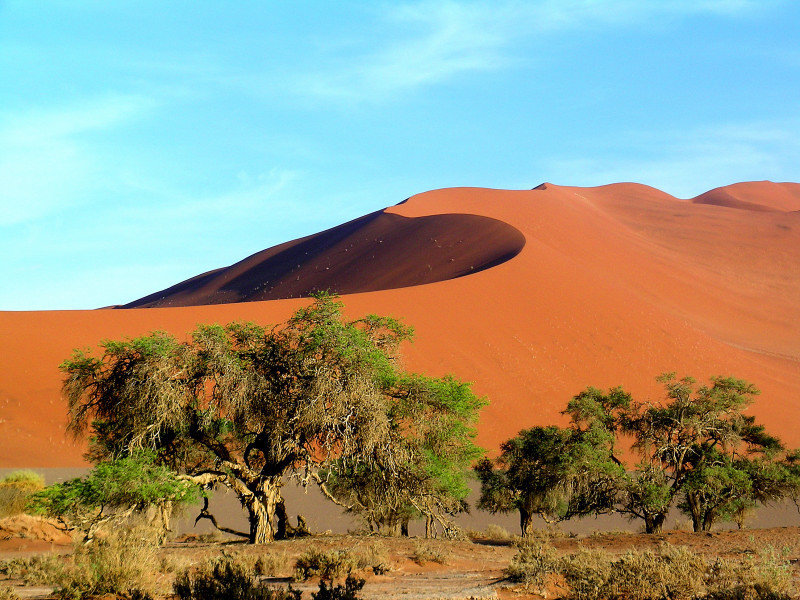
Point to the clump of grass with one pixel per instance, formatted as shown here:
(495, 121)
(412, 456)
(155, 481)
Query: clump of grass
(121, 564)
(496, 533)
(43, 569)
(326, 564)
(425, 552)
(16, 489)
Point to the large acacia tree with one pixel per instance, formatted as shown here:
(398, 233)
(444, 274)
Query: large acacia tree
(244, 407)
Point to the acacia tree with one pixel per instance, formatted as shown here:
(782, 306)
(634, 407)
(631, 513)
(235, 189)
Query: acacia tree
(243, 406)
(554, 472)
(432, 421)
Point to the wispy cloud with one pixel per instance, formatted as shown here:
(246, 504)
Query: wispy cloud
(442, 39)
(46, 164)
(686, 164)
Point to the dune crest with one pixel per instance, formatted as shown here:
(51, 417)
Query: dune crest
(613, 285)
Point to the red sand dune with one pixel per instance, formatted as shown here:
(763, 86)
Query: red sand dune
(614, 285)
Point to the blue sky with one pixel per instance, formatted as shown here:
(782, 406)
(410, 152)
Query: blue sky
(145, 142)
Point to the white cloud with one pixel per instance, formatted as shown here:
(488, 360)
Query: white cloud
(45, 164)
(441, 39)
(686, 164)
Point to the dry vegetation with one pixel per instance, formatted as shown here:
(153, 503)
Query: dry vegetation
(733, 565)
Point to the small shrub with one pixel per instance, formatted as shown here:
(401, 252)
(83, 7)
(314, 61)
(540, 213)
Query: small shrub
(532, 565)
(227, 580)
(428, 552)
(8, 593)
(348, 591)
(587, 573)
(16, 489)
(326, 564)
(372, 556)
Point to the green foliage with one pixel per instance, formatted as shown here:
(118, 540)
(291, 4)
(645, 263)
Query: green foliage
(114, 489)
(697, 449)
(226, 580)
(15, 490)
(554, 472)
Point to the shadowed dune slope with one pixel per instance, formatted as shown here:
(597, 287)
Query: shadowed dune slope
(613, 286)
(376, 252)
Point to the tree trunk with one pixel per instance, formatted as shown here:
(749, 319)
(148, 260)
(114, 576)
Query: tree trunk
(404, 528)
(525, 521)
(262, 506)
(695, 512)
(654, 523)
(708, 520)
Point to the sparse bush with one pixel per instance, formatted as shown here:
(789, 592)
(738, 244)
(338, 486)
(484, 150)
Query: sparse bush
(429, 552)
(348, 591)
(120, 564)
(497, 533)
(532, 565)
(326, 564)
(227, 580)
(16, 489)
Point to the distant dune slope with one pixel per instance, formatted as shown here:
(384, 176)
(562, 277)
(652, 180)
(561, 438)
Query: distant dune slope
(376, 252)
(613, 286)
(755, 195)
